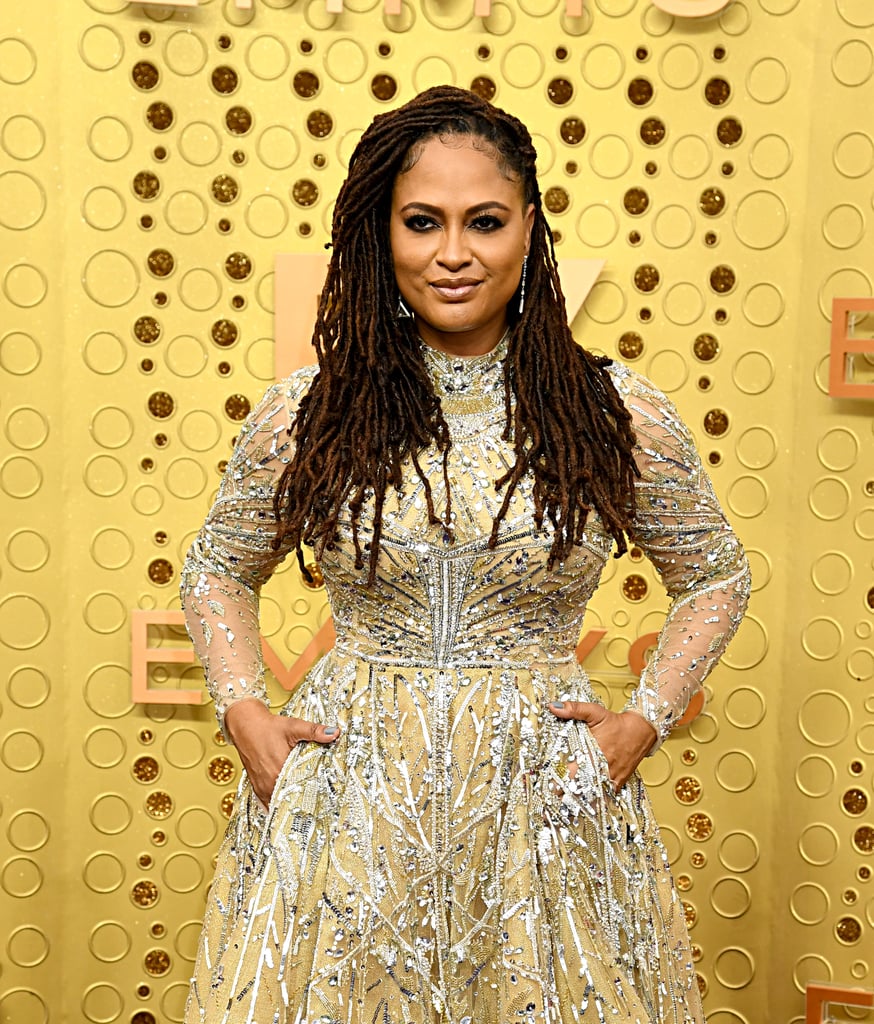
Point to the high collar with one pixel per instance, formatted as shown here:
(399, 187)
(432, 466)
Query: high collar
(465, 377)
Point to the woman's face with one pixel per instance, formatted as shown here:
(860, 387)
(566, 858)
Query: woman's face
(459, 231)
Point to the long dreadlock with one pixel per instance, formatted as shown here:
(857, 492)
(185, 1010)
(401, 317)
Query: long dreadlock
(372, 408)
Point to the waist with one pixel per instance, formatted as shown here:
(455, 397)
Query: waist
(526, 659)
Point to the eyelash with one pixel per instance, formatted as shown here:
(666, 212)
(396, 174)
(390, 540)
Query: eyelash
(485, 223)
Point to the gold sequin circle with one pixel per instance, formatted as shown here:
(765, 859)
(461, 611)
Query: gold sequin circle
(711, 202)
(144, 893)
(716, 422)
(848, 930)
(238, 266)
(159, 116)
(146, 769)
(156, 962)
(863, 839)
(237, 407)
(160, 262)
(706, 347)
(221, 770)
(147, 330)
(854, 801)
(145, 75)
(630, 345)
(634, 587)
(224, 188)
(159, 804)
(687, 789)
(572, 131)
(556, 199)
(161, 404)
(699, 826)
(560, 91)
(146, 185)
(224, 333)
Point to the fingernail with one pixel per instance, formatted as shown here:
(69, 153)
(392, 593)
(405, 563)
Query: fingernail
(556, 704)
(330, 730)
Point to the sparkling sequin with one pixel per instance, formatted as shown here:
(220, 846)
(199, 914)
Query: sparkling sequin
(687, 789)
(699, 826)
(157, 962)
(159, 804)
(145, 769)
(855, 801)
(459, 855)
(848, 930)
(144, 893)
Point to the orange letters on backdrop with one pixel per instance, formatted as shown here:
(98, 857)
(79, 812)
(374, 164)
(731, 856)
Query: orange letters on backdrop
(142, 656)
(820, 997)
(845, 345)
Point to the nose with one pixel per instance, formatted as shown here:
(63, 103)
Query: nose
(454, 251)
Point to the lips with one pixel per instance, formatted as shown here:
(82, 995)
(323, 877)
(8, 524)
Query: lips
(455, 288)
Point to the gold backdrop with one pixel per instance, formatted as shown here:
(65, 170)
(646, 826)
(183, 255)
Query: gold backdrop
(153, 162)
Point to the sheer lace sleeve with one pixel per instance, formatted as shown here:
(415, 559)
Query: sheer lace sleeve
(681, 527)
(232, 556)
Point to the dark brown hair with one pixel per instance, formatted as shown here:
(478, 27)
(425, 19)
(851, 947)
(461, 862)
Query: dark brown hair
(372, 410)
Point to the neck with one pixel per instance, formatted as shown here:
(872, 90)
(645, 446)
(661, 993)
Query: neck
(477, 342)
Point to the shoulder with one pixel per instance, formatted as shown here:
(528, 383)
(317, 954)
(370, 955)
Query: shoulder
(645, 401)
(662, 435)
(292, 388)
(282, 398)
(632, 385)
(274, 413)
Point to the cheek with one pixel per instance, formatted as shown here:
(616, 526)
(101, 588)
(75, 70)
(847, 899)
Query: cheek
(406, 256)
(508, 252)
(511, 265)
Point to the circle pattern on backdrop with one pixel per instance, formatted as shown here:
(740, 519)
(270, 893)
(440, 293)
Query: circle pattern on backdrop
(17, 61)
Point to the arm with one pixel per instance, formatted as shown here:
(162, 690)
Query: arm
(232, 556)
(682, 529)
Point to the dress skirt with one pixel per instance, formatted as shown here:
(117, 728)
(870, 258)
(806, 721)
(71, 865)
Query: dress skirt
(457, 856)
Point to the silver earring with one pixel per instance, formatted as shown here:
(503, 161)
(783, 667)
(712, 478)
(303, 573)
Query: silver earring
(403, 310)
(522, 288)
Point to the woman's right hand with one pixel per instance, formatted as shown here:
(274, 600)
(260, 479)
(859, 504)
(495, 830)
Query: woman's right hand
(263, 741)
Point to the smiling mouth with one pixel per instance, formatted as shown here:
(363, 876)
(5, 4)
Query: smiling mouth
(455, 288)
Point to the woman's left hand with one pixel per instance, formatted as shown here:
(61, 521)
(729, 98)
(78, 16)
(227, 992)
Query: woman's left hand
(624, 738)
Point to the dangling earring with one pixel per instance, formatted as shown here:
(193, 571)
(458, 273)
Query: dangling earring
(522, 288)
(403, 311)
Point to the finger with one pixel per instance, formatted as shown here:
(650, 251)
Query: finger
(579, 710)
(301, 731)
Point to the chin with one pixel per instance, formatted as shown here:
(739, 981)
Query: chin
(458, 323)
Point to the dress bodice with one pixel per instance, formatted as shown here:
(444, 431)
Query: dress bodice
(442, 597)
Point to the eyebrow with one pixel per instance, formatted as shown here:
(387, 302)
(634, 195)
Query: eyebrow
(479, 208)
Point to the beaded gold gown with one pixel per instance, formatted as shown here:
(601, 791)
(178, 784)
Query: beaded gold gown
(458, 855)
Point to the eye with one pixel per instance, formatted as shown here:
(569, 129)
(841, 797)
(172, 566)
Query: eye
(487, 222)
(419, 222)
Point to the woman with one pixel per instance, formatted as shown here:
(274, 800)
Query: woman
(442, 825)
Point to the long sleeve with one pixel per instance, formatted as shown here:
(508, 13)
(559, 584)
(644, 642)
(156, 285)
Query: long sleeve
(682, 529)
(232, 556)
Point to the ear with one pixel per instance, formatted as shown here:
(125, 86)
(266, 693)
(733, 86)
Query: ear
(528, 221)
